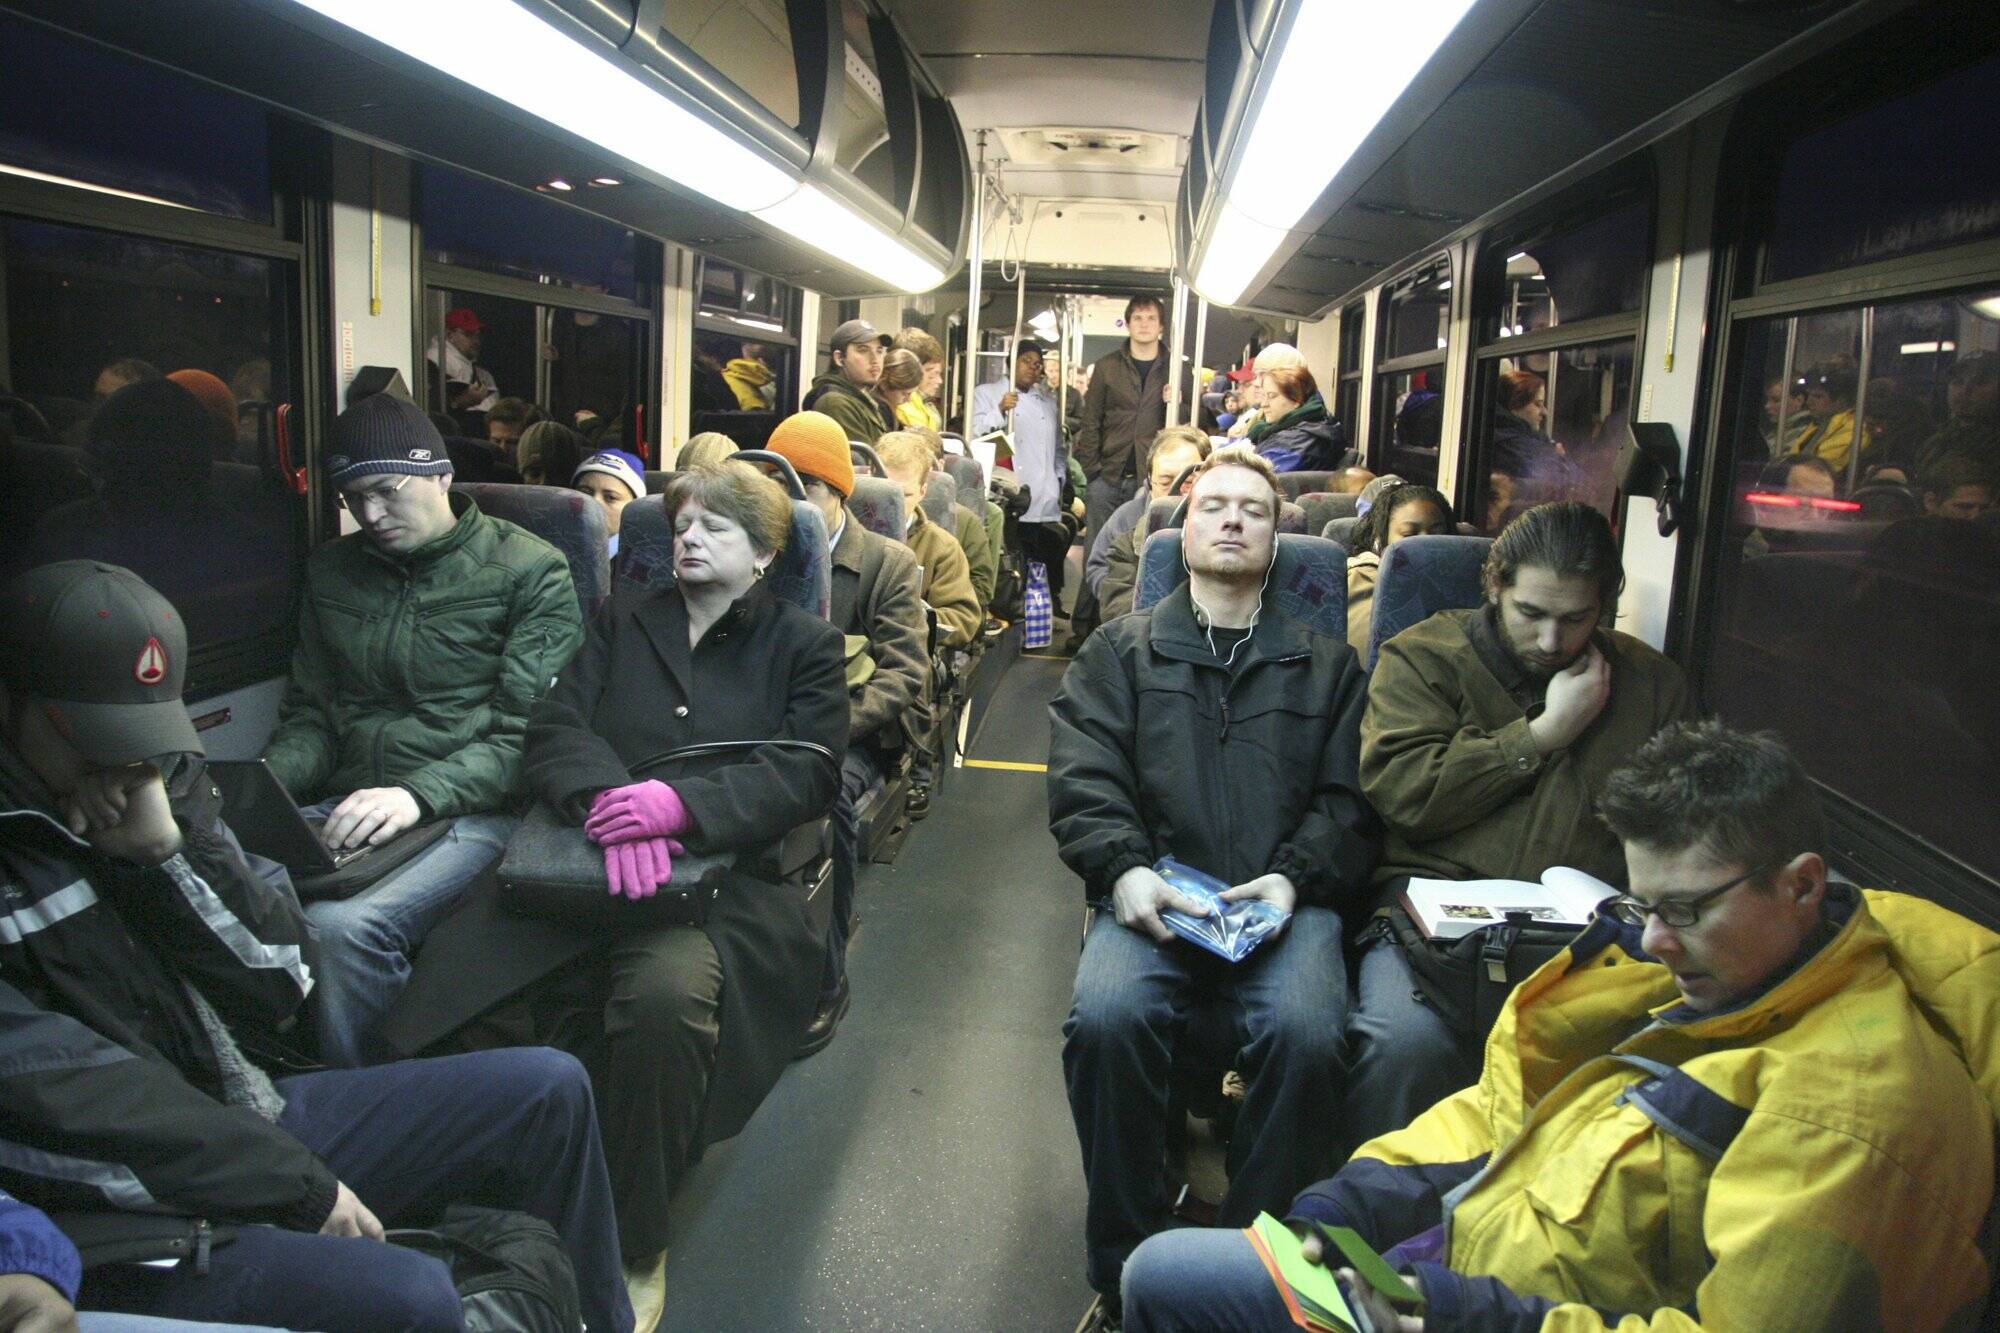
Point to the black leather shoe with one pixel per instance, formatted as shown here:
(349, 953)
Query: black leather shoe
(825, 1023)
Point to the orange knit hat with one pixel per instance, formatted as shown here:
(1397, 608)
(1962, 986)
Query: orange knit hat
(211, 393)
(816, 445)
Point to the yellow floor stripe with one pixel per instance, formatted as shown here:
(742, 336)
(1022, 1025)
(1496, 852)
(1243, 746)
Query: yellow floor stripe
(1044, 657)
(1006, 766)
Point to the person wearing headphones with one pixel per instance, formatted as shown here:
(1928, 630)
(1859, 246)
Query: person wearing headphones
(1249, 727)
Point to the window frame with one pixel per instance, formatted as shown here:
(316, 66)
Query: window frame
(1412, 277)
(1866, 844)
(296, 236)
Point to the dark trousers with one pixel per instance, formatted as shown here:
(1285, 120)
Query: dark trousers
(1100, 500)
(1132, 999)
(643, 1013)
(859, 771)
(511, 1129)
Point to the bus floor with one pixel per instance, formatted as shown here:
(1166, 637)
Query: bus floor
(921, 1172)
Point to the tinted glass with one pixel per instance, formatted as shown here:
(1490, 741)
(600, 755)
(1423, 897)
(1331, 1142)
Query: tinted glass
(941, 186)
(733, 374)
(475, 223)
(1830, 208)
(185, 490)
(1419, 316)
(864, 128)
(749, 42)
(80, 113)
(1409, 423)
(1864, 624)
(1554, 425)
(577, 367)
(1595, 269)
(1350, 338)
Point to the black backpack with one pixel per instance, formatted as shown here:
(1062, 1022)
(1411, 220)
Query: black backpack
(1468, 979)
(510, 1270)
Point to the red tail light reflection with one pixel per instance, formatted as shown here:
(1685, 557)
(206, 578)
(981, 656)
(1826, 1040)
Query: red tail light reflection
(1770, 500)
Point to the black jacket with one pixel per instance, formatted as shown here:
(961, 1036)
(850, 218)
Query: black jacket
(878, 593)
(766, 669)
(1156, 749)
(1122, 413)
(110, 1093)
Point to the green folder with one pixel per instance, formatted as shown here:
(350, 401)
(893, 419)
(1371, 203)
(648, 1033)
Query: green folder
(1372, 1267)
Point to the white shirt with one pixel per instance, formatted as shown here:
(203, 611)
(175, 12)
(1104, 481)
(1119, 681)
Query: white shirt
(1039, 460)
(459, 369)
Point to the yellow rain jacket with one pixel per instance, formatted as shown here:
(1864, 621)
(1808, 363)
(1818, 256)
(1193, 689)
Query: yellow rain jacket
(1819, 1157)
(751, 381)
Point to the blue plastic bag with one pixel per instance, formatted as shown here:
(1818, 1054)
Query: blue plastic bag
(1037, 608)
(1230, 930)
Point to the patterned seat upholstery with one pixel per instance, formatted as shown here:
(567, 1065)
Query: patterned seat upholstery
(1321, 509)
(802, 574)
(966, 472)
(1420, 577)
(940, 497)
(1295, 484)
(1309, 583)
(568, 520)
(877, 504)
(1162, 513)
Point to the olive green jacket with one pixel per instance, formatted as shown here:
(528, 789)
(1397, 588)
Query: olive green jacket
(1448, 762)
(982, 561)
(419, 671)
(947, 581)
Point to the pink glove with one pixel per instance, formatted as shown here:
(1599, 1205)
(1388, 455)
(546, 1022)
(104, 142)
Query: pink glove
(643, 810)
(637, 869)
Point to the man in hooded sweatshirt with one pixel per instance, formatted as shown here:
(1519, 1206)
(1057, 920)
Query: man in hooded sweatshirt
(846, 392)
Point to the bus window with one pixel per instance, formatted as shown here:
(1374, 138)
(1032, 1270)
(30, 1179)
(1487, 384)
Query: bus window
(100, 459)
(1859, 584)
(1554, 422)
(1410, 357)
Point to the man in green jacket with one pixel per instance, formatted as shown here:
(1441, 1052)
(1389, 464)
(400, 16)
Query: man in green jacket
(1487, 737)
(424, 640)
(846, 392)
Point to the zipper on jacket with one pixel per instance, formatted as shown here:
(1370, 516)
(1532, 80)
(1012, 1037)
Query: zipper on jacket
(204, 1238)
(391, 659)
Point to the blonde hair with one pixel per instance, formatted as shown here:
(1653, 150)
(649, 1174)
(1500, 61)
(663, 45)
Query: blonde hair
(902, 371)
(1243, 456)
(913, 339)
(902, 450)
(741, 494)
(704, 449)
(1181, 435)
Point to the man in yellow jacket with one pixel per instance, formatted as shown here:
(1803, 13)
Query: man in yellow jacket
(1746, 1098)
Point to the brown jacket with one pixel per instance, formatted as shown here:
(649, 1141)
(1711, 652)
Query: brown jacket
(947, 581)
(1447, 761)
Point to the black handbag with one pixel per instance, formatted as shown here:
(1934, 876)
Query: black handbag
(1468, 979)
(509, 1269)
(102, 1236)
(552, 870)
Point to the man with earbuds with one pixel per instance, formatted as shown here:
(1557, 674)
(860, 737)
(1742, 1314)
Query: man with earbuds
(1214, 729)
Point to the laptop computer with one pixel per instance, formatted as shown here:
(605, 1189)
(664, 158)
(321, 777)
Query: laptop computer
(268, 822)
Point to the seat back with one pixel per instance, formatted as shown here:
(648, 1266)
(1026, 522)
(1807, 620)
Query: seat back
(940, 496)
(1420, 577)
(1342, 530)
(1322, 508)
(969, 476)
(1295, 484)
(802, 574)
(866, 460)
(656, 482)
(1161, 513)
(570, 521)
(1309, 583)
(877, 504)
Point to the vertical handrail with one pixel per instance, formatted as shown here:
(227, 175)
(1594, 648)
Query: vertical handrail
(1791, 369)
(1858, 436)
(974, 263)
(1200, 346)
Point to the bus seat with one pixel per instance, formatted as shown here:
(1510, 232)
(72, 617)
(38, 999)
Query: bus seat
(940, 496)
(1308, 585)
(1295, 484)
(1342, 530)
(1291, 518)
(877, 503)
(1322, 508)
(1161, 513)
(656, 482)
(802, 574)
(866, 461)
(570, 521)
(1420, 577)
(968, 475)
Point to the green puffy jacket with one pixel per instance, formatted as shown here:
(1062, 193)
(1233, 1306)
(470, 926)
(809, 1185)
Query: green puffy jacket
(419, 671)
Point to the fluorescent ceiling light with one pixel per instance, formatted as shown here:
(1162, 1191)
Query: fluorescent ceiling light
(1280, 172)
(497, 45)
(1926, 349)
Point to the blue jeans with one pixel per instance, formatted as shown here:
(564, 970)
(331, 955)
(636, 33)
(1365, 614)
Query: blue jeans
(366, 942)
(858, 772)
(1200, 1281)
(1406, 1058)
(511, 1129)
(1132, 998)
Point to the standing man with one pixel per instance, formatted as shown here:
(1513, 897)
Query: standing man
(1125, 407)
(1217, 730)
(1039, 458)
(424, 640)
(877, 595)
(846, 392)
(468, 386)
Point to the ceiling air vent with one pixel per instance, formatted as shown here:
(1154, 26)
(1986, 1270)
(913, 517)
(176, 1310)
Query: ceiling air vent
(1128, 150)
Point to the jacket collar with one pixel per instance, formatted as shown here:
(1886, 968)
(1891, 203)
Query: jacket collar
(1482, 630)
(663, 617)
(469, 519)
(1176, 632)
(1311, 410)
(847, 551)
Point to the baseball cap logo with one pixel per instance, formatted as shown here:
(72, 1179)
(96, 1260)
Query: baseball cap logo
(152, 665)
(420, 455)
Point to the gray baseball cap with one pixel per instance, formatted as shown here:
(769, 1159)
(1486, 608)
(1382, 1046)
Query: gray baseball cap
(105, 653)
(856, 331)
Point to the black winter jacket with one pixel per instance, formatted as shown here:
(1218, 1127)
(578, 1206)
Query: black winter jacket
(1156, 749)
(110, 1094)
(1122, 412)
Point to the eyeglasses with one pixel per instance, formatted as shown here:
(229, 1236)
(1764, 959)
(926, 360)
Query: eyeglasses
(352, 500)
(1679, 913)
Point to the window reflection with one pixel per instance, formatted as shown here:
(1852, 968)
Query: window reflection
(1411, 424)
(1595, 269)
(1554, 425)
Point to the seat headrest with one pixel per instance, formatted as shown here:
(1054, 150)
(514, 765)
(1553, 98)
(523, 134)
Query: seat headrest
(570, 521)
(1309, 583)
(1420, 577)
(877, 504)
(802, 574)
(940, 495)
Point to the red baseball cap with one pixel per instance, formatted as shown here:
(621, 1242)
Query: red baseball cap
(1243, 374)
(463, 320)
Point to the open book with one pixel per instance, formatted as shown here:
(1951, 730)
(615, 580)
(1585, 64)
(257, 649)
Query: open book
(1446, 909)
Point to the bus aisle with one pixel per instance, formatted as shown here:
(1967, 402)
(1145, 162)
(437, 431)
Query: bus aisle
(920, 1171)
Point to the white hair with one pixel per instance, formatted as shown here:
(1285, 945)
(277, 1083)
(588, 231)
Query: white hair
(1277, 356)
